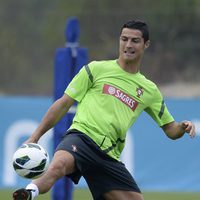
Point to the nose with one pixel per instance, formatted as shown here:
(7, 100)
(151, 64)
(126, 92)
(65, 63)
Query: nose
(129, 44)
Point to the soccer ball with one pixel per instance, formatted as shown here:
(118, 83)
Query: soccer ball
(30, 161)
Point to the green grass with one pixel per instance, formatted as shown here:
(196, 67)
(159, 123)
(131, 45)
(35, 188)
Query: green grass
(84, 194)
(171, 196)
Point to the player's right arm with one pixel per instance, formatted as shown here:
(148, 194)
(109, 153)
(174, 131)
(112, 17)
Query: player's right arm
(57, 110)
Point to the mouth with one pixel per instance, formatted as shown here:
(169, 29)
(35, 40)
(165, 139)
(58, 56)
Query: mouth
(129, 52)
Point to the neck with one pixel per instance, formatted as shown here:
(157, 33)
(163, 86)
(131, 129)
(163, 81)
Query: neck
(129, 66)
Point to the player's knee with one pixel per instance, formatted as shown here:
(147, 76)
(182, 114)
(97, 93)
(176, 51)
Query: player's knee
(64, 162)
(61, 165)
(56, 170)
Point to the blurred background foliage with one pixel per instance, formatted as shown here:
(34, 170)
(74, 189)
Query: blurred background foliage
(32, 30)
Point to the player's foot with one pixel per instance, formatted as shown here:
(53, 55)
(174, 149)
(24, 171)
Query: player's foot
(22, 194)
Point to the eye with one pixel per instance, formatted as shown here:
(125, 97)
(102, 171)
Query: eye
(124, 38)
(136, 40)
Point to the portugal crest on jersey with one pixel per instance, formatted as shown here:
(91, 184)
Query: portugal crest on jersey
(139, 91)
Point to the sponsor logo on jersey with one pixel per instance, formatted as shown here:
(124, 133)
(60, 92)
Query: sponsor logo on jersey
(122, 96)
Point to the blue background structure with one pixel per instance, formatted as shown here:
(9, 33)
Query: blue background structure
(157, 163)
(68, 61)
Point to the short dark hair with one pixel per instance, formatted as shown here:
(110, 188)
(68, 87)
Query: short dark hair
(138, 25)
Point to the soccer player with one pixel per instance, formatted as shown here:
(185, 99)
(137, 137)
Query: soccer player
(111, 95)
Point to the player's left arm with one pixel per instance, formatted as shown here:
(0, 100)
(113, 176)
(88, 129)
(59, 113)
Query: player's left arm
(175, 130)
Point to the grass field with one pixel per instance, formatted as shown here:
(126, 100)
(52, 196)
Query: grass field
(84, 194)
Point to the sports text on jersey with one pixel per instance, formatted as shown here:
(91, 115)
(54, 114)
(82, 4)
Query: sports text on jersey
(123, 97)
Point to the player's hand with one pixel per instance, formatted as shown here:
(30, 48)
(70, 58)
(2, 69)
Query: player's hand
(189, 128)
(31, 140)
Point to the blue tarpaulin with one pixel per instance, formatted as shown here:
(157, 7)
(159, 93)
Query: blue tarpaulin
(156, 162)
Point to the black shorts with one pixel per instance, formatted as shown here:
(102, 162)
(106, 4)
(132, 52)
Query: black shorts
(101, 172)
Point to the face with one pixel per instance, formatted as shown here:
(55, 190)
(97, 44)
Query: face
(131, 45)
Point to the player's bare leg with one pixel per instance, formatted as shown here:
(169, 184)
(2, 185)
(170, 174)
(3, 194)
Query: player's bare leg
(123, 195)
(62, 164)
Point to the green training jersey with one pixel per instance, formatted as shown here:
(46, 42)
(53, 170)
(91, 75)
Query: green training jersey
(110, 100)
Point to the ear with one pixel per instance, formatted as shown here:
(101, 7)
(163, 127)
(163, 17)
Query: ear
(147, 44)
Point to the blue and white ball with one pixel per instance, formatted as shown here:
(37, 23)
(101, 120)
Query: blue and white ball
(30, 161)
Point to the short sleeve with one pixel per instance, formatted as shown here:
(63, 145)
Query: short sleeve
(80, 84)
(158, 110)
